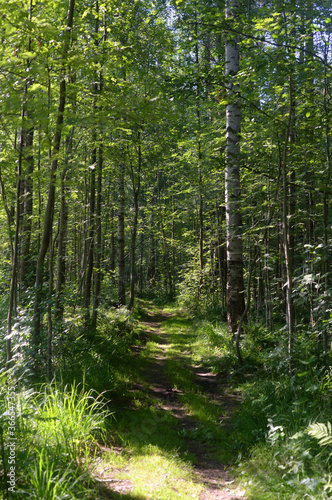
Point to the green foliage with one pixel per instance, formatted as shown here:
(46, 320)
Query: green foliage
(49, 483)
(279, 413)
(67, 420)
(198, 292)
(214, 347)
(55, 431)
(321, 432)
(102, 355)
(116, 323)
(272, 428)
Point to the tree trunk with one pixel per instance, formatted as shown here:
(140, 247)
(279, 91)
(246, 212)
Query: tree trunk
(286, 234)
(49, 316)
(169, 280)
(49, 209)
(121, 237)
(99, 167)
(132, 251)
(326, 205)
(141, 273)
(25, 141)
(27, 209)
(98, 246)
(91, 238)
(15, 256)
(199, 159)
(152, 253)
(112, 245)
(62, 240)
(235, 284)
(136, 190)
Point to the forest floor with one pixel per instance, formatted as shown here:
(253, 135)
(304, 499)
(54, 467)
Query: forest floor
(170, 422)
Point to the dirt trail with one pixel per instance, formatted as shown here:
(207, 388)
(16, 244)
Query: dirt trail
(210, 473)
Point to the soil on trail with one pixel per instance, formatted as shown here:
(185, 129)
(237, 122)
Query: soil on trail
(209, 472)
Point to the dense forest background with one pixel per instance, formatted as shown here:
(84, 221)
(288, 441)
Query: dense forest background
(175, 151)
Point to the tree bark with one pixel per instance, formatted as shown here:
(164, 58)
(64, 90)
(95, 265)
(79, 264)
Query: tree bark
(112, 247)
(25, 264)
(62, 240)
(136, 190)
(49, 209)
(91, 238)
(49, 316)
(326, 204)
(121, 237)
(235, 284)
(286, 234)
(25, 141)
(15, 256)
(98, 246)
(199, 159)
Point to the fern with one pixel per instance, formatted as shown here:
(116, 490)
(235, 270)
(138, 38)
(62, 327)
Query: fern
(321, 432)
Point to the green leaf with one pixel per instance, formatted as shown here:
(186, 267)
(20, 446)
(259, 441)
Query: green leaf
(321, 432)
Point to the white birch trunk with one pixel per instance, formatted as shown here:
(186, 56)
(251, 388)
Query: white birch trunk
(235, 286)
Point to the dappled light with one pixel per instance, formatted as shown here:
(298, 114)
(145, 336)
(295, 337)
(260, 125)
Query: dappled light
(166, 249)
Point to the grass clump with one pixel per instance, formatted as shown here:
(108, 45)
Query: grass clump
(67, 420)
(55, 431)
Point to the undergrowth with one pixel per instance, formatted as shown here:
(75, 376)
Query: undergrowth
(54, 428)
(277, 440)
(281, 433)
(48, 440)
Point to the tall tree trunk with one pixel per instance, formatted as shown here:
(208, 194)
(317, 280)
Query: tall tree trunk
(121, 237)
(25, 263)
(326, 200)
(25, 141)
(167, 267)
(221, 257)
(83, 240)
(15, 256)
(98, 246)
(26, 184)
(235, 284)
(49, 315)
(112, 246)
(99, 168)
(133, 251)
(152, 253)
(199, 158)
(141, 272)
(62, 239)
(136, 190)
(49, 209)
(91, 238)
(169, 280)
(286, 232)
(173, 223)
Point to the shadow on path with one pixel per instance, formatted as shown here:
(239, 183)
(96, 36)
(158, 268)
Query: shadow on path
(165, 407)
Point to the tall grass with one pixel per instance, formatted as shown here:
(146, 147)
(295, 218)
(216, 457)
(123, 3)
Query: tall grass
(55, 432)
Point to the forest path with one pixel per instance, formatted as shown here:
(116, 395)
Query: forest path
(182, 402)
